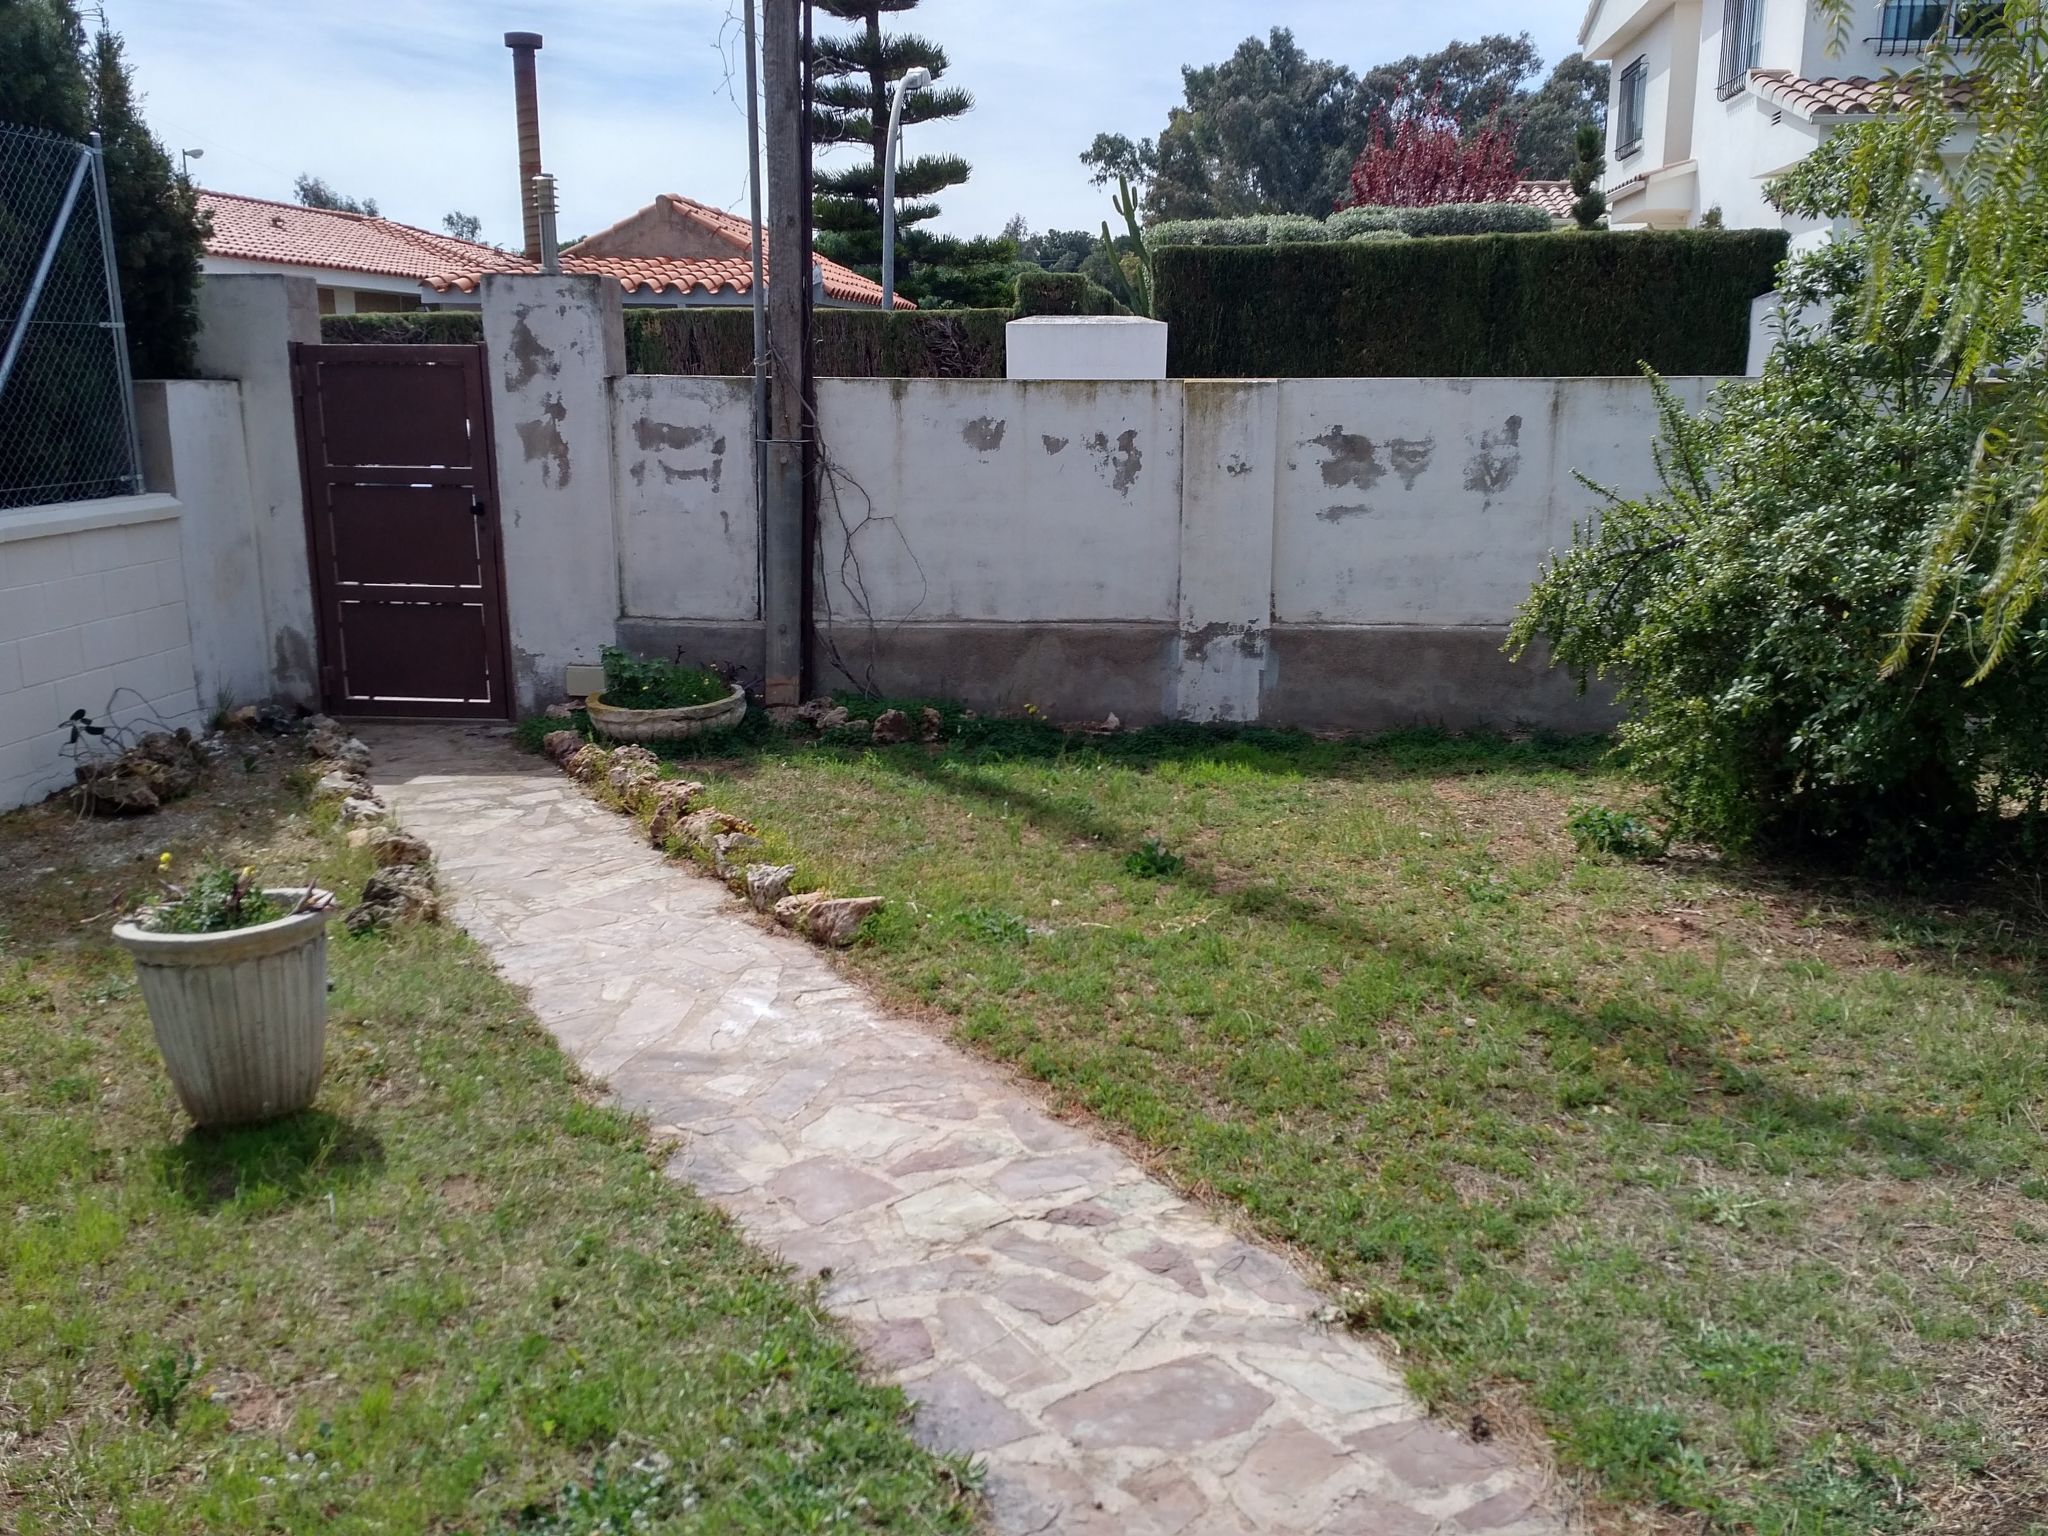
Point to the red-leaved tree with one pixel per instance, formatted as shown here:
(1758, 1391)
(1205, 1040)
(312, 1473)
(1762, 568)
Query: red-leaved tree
(1429, 160)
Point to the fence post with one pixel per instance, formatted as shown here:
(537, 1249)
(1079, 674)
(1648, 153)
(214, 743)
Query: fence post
(117, 324)
(19, 334)
(1230, 438)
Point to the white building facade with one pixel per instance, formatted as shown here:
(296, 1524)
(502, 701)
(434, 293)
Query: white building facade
(1710, 99)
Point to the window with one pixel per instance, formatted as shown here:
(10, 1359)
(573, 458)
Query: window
(1742, 33)
(1907, 25)
(1628, 114)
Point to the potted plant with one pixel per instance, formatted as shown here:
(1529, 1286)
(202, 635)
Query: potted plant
(661, 700)
(235, 979)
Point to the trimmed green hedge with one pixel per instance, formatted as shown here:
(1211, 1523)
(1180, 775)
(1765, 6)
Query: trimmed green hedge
(847, 343)
(1350, 223)
(429, 327)
(1063, 293)
(1571, 303)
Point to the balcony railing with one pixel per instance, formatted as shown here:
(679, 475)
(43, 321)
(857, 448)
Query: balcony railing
(1907, 26)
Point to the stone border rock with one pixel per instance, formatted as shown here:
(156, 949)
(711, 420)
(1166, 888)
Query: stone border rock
(629, 779)
(402, 890)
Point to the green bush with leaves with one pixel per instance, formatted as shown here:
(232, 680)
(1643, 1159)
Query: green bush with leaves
(1746, 610)
(1571, 304)
(1350, 223)
(1474, 219)
(634, 682)
(418, 327)
(1063, 293)
(718, 340)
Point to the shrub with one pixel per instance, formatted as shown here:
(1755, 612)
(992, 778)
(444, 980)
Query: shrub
(1292, 228)
(846, 343)
(633, 683)
(1063, 293)
(1349, 223)
(1500, 305)
(1475, 219)
(1376, 234)
(1208, 232)
(1745, 612)
(419, 327)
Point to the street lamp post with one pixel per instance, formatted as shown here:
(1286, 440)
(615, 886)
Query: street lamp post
(913, 80)
(184, 171)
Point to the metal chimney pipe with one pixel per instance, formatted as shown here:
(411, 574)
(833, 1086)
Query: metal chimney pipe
(526, 97)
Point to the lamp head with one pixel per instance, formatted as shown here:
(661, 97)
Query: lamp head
(917, 79)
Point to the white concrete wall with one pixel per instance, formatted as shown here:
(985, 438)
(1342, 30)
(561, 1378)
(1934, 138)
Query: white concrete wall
(689, 539)
(1434, 501)
(988, 499)
(554, 344)
(92, 617)
(248, 324)
(193, 448)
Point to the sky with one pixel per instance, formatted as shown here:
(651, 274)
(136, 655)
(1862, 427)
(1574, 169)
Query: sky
(410, 101)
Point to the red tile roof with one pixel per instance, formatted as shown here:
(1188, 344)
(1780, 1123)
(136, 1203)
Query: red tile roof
(1553, 197)
(1854, 96)
(252, 229)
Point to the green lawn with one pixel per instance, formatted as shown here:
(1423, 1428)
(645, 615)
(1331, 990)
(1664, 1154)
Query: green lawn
(1736, 1183)
(457, 1296)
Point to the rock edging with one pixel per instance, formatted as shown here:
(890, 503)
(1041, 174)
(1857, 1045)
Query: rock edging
(402, 890)
(629, 779)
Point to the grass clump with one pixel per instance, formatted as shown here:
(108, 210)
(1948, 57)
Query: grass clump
(1618, 834)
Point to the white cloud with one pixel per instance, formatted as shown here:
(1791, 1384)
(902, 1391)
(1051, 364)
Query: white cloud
(410, 102)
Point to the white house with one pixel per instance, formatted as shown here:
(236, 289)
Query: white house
(1709, 99)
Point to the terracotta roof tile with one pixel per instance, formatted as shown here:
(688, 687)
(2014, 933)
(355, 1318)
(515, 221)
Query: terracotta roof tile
(1553, 197)
(253, 229)
(1851, 96)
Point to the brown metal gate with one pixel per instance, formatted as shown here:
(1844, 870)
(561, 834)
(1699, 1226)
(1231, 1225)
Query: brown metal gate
(402, 525)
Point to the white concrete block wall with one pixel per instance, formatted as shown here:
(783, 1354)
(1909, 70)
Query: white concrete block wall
(1434, 501)
(990, 499)
(92, 616)
(689, 536)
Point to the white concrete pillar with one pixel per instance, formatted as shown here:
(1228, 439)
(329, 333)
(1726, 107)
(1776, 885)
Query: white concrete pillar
(553, 344)
(248, 323)
(192, 448)
(1230, 437)
(1085, 347)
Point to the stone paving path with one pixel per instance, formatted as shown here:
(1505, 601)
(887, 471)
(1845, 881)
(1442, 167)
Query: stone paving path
(1123, 1362)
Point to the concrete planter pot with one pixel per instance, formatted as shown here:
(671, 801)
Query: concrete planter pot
(241, 1016)
(666, 724)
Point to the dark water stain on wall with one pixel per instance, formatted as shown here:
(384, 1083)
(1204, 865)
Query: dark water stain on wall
(1493, 468)
(984, 434)
(541, 441)
(1350, 459)
(1410, 456)
(1052, 444)
(1338, 514)
(1123, 461)
(530, 358)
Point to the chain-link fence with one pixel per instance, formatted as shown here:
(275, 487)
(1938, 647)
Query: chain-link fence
(67, 414)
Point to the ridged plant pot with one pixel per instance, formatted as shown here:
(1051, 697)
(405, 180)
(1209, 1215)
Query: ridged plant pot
(241, 1016)
(666, 724)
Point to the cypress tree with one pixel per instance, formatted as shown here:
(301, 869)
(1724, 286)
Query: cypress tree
(852, 73)
(159, 233)
(54, 79)
(1590, 207)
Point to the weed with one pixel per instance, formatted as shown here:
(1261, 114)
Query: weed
(1618, 834)
(1153, 860)
(995, 925)
(160, 1383)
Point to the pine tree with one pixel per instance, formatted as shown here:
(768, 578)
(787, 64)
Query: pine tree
(159, 232)
(1591, 162)
(852, 73)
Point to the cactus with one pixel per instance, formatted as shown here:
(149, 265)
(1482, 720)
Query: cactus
(1136, 265)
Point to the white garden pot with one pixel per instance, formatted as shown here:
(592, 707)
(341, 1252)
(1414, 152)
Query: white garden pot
(241, 1016)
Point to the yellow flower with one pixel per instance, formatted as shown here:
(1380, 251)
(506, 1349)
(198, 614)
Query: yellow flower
(164, 859)
(248, 871)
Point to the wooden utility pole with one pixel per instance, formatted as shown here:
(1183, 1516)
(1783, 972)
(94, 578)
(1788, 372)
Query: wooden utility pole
(789, 289)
